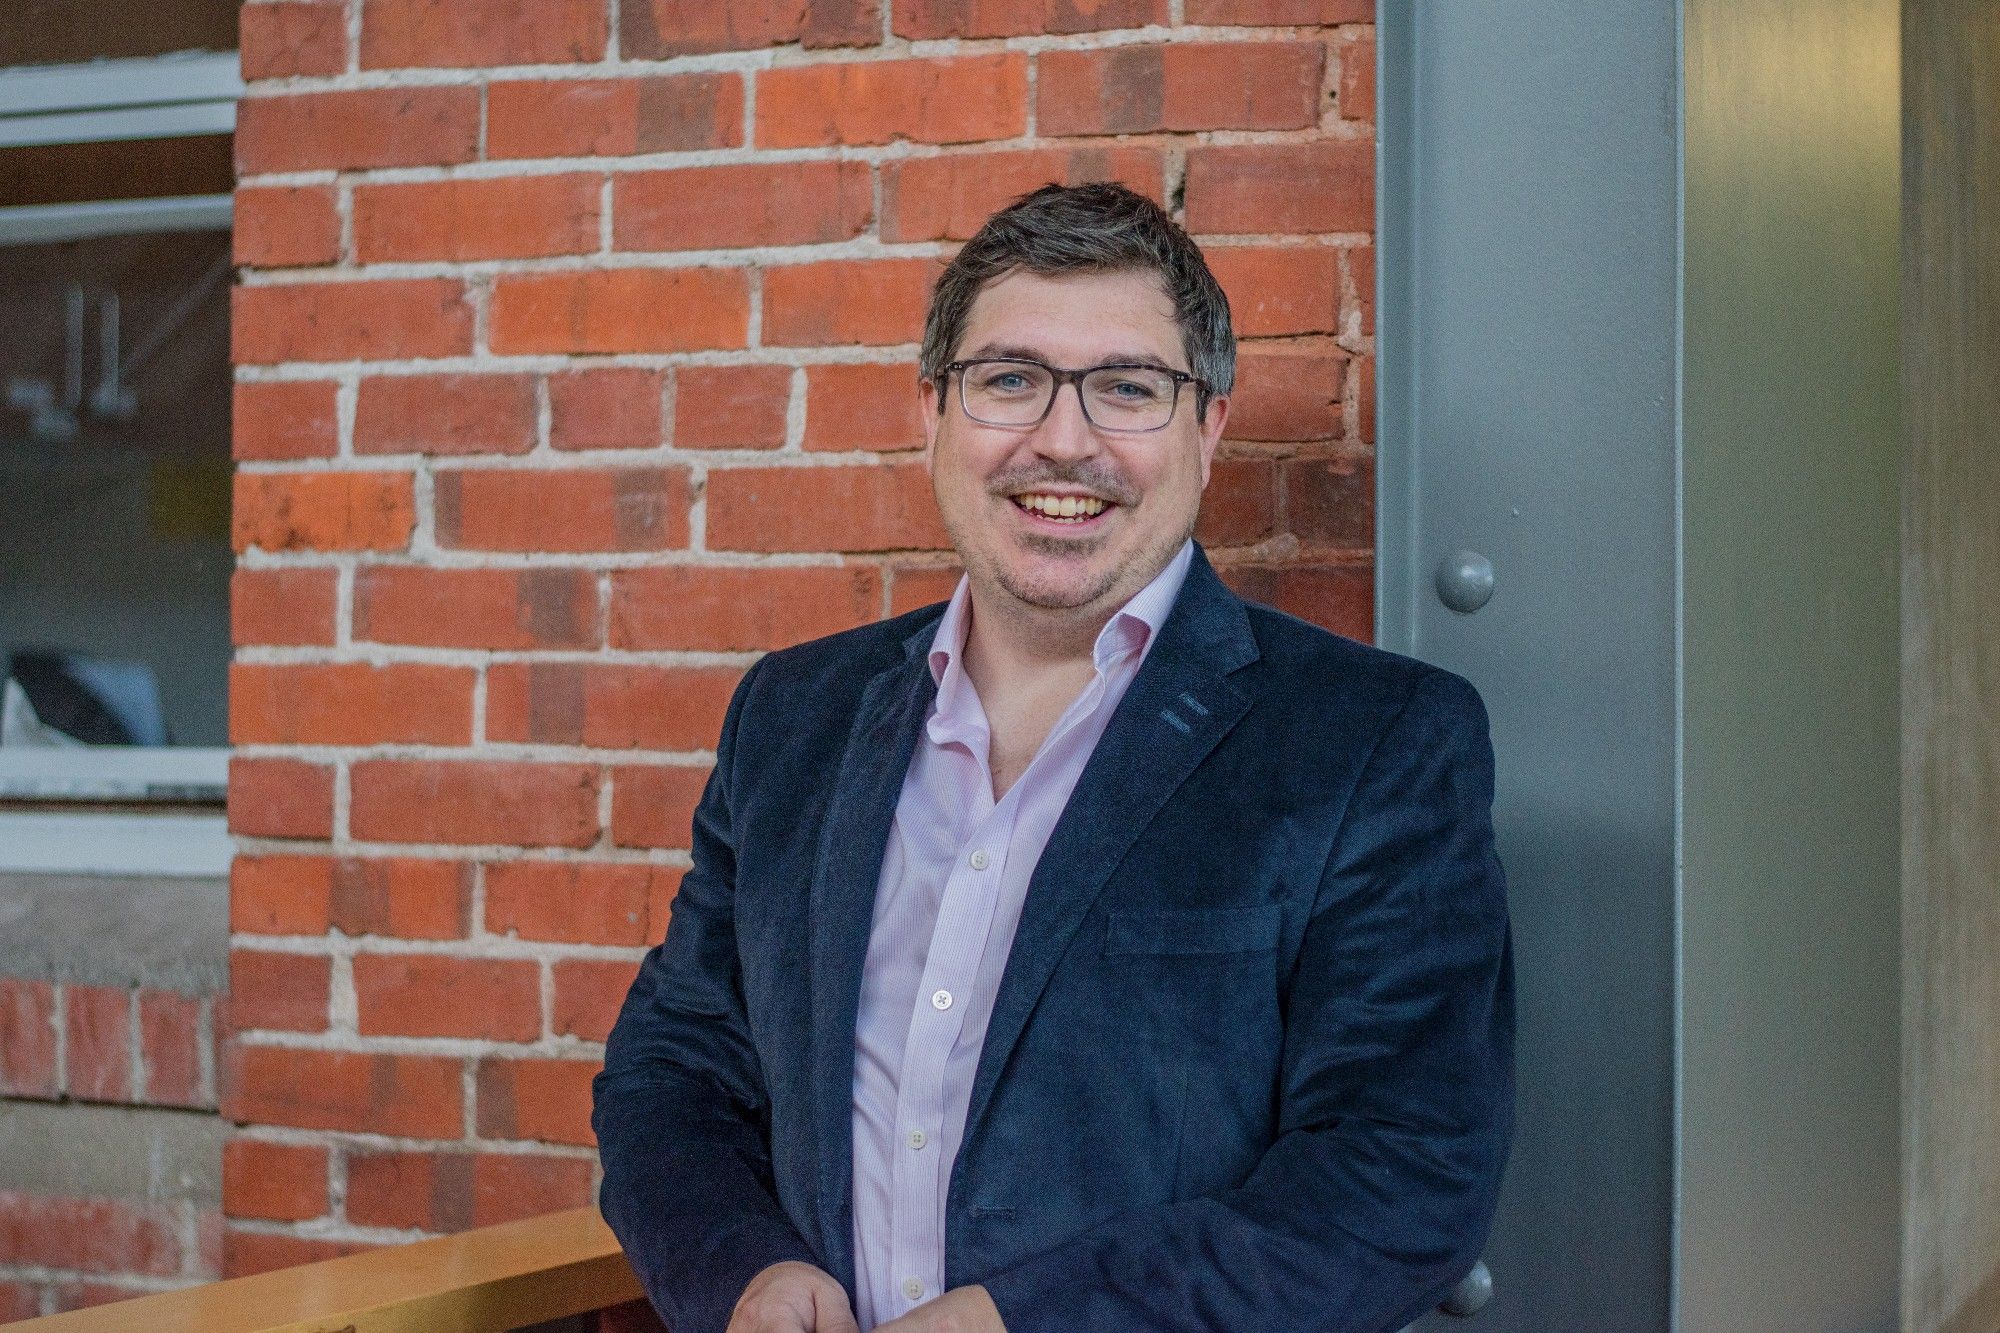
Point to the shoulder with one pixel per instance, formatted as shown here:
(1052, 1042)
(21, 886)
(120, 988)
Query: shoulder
(834, 670)
(1311, 665)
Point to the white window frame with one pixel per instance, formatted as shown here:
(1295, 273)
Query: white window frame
(153, 97)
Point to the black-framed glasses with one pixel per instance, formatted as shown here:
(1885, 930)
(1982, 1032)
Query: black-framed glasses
(1126, 397)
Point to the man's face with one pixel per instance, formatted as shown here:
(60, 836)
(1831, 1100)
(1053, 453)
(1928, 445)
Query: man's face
(990, 480)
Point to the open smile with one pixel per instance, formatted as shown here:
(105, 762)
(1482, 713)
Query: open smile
(1065, 511)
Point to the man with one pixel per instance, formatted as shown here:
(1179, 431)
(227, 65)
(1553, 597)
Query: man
(1095, 951)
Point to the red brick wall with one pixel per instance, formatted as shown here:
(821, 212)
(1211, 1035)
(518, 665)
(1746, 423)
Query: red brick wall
(576, 347)
(118, 1045)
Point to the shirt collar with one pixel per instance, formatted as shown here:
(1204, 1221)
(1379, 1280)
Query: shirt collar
(1130, 629)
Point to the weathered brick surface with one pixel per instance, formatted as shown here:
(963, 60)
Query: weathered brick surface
(577, 352)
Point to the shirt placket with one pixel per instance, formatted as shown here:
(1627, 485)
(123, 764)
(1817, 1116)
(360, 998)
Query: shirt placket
(965, 914)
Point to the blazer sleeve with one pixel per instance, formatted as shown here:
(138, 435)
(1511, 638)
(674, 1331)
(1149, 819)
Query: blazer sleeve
(680, 1109)
(1396, 1096)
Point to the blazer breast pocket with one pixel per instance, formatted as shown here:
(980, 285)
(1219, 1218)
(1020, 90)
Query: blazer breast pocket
(1193, 930)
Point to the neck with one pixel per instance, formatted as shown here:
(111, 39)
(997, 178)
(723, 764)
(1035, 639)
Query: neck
(1008, 641)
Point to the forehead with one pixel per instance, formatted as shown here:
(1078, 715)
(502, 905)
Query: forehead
(1074, 318)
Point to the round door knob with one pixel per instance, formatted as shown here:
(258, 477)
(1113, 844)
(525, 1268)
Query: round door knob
(1465, 581)
(1471, 1293)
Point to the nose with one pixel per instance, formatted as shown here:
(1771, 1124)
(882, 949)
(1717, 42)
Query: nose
(1065, 433)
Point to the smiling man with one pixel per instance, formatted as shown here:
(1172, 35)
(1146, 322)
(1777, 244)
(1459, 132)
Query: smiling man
(1096, 950)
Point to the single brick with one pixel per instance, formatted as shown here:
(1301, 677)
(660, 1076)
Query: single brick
(949, 99)
(563, 509)
(285, 226)
(283, 420)
(1240, 504)
(653, 805)
(383, 319)
(546, 1100)
(1330, 502)
(171, 1037)
(1278, 290)
(293, 38)
(480, 33)
(588, 994)
(666, 113)
(450, 1191)
(1356, 95)
(864, 406)
(353, 131)
(607, 706)
(1338, 597)
(414, 1096)
(280, 798)
(840, 508)
(248, 1253)
(912, 586)
(511, 803)
(1239, 189)
(1288, 393)
(476, 608)
(324, 511)
(282, 992)
(839, 301)
(350, 703)
(612, 407)
(402, 897)
(288, 607)
(27, 1038)
(1180, 86)
(90, 1235)
(1280, 13)
(703, 208)
(279, 1182)
(950, 196)
(98, 1043)
(573, 903)
(1361, 285)
(658, 29)
(445, 414)
(924, 19)
(621, 310)
(423, 995)
(731, 407)
(506, 217)
(731, 609)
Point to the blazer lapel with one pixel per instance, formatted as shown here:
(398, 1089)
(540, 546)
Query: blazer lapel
(848, 863)
(1177, 708)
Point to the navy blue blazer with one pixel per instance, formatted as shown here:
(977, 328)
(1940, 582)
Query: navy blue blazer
(1250, 1068)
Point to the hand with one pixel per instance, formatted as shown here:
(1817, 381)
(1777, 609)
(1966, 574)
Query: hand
(792, 1297)
(960, 1310)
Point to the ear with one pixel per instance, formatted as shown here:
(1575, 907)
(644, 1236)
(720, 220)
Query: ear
(1211, 434)
(930, 395)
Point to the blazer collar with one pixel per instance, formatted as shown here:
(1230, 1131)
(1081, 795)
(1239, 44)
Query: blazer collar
(1179, 705)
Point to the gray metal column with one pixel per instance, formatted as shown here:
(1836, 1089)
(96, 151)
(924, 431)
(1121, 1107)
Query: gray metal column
(1532, 392)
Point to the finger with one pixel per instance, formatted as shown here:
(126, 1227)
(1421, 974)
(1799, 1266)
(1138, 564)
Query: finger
(831, 1312)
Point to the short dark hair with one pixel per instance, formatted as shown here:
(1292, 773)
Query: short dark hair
(1100, 227)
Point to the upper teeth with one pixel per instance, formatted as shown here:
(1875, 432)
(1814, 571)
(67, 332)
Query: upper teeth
(1062, 506)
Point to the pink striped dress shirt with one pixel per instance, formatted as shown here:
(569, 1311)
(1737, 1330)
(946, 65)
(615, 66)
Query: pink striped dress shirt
(954, 876)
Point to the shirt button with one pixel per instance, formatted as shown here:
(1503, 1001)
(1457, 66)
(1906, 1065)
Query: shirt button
(916, 1138)
(913, 1287)
(980, 860)
(941, 999)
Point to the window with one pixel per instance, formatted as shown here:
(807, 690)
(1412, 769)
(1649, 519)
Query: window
(115, 555)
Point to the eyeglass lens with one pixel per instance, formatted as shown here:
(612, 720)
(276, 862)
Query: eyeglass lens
(1017, 393)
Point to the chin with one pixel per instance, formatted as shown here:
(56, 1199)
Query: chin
(1053, 590)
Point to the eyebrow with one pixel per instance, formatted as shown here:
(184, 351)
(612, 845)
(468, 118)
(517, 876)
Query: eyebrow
(1017, 352)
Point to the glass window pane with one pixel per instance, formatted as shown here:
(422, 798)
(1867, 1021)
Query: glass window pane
(114, 491)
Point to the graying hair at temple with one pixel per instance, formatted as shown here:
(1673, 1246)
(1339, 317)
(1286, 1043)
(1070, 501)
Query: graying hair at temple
(1100, 227)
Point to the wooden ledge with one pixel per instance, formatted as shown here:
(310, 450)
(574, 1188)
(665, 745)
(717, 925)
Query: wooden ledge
(482, 1281)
